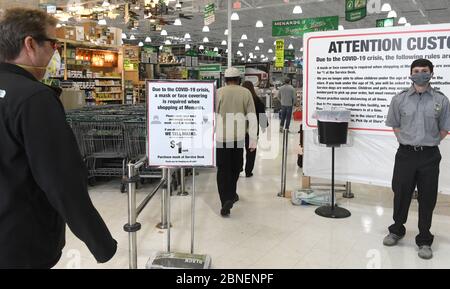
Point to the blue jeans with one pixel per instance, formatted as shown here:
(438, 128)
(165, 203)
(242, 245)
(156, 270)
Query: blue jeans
(286, 113)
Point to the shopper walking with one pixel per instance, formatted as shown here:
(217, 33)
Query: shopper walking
(288, 97)
(420, 117)
(43, 180)
(234, 108)
(250, 155)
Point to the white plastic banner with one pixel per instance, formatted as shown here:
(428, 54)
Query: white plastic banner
(361, 70)
(181, 123)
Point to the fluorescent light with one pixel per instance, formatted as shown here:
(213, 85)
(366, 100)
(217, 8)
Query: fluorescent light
(161, 47)
(407, 24)
(270, 50)
(141, 44)
(102, 22)
(226, 51)
(234, 16)
(148, 39)
(259, 24)
(249, 60)
(239, 53)
(163, 32)
(243, 59)
(263, 56)
(167, 42)
(291, 46)
(224, 42)
(187, 36)
(297, 10)
(241, 44)
(205, 28)
(216, 49)
(402, 20)
(257, 48)
(177, 22)
(201, 47)
(226, 32)
(132, 37)
(386, 7)
(301, 49)
(392, 14)
(260, 40)
(244, 37)
(205, 40)
(124, 36)
(341, 27)
(187, 46)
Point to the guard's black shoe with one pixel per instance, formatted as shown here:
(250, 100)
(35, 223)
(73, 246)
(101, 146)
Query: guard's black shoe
(249, 175)
(225, 211)
(236, 198)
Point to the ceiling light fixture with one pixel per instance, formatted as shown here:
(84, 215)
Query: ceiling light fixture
(177, 22)
(244, 37)
(224, 42)
(205, 40)
(226, 32)
(260, 40)
(341, 27)
(201, 47)
(386, 7)
(132, 37)
(257, 48)
(259, 24)
(205, 28)
(291, 46)
(402, 20)
(241, 44)
(297, 10)
(234, 16)
(163, 32)
(148, 39)
(270, 50)
(392, 14)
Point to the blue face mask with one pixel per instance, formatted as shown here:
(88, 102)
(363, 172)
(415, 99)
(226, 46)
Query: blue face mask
(421, 78)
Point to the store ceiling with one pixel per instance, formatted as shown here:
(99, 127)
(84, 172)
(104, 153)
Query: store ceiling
(417, 12)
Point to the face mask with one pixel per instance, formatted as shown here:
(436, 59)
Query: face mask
(421, 79)
(53, 66)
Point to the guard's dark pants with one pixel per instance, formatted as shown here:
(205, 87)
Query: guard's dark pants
(421, 169)
(229, 163)
(250, 156)
(286, 113)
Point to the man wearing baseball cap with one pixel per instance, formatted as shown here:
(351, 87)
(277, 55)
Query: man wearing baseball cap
(235, 115)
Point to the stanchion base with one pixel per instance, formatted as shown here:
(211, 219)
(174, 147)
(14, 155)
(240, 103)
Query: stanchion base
(161, 226)
(336, 213)
(183, 194)
(348, 195)
(281, 195)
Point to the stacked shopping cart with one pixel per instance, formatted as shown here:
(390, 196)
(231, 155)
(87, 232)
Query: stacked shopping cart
(110, 136)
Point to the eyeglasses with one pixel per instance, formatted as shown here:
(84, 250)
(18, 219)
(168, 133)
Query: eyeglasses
(55, 43)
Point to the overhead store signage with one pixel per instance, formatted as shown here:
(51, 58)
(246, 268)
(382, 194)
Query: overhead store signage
(209, 68)
(387, 22)
(289, 54)
(181, 123)
(279, 53)
(298, 27)
(209, 14)
(355, 10)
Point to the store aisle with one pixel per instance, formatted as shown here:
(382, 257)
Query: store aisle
(266, 231)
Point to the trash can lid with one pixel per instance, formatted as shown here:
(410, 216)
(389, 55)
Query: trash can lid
(333, 115)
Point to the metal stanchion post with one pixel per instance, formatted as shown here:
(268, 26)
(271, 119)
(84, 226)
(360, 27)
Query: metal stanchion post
(164, 197)
(132, 227)
(182, 191)
(348, 191)
(169, 190)
(193, 211)
(284, 163)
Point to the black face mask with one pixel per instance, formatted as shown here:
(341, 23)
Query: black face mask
(421, 79)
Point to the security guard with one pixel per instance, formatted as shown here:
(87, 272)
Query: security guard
(43, 180)
(420, 117)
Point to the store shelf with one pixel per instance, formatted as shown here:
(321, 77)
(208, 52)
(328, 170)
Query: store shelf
(108, 99)
(107, 92)
(118, 85)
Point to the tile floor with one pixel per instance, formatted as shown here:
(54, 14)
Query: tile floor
(266, 231)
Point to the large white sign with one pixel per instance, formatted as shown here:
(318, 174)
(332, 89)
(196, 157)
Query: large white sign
(361, 70)
(181, 123)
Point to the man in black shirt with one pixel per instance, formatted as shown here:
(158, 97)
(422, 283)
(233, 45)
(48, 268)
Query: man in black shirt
(43, 180)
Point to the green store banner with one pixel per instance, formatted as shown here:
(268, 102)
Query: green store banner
(209, 15)
(297, 27)
(355, 10)
(210, 68)
(388, 22)
(289, 54)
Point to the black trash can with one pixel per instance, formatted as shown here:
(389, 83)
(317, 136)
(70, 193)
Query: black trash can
(332, 133)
